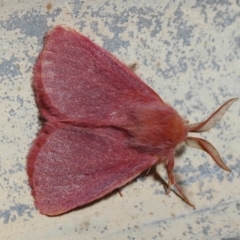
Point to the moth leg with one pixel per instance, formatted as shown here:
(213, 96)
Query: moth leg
(119, 192)
(148, 171)
(172, 181)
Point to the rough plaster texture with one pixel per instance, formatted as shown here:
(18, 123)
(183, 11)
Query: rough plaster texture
(189, 52)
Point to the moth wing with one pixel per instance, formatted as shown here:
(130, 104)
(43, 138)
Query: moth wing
(69, 166)
(76, 80)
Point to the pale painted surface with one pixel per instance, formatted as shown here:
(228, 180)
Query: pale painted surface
(189, 52)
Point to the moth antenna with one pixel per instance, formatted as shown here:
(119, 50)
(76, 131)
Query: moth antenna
(209, 148)
(213, 119)
(172, 181)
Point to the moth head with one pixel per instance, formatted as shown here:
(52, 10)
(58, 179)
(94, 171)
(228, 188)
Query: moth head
(200, 144)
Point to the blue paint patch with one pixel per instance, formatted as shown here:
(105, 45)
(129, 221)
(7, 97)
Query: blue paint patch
(19, 210)
(224, 19)
(237, 41)
(9, 68)
(184, 29)
(32, 24)
(205, 230)
(233, 238)
(77, 6)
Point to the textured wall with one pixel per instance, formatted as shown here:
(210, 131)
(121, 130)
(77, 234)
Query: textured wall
(189, 53)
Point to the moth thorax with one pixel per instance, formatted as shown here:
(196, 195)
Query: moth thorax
(157, 127)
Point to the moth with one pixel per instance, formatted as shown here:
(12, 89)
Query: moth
(103, 126)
